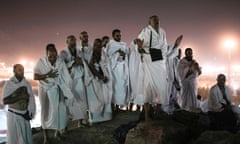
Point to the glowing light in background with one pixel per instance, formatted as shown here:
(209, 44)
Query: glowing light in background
(230, 43)
(7, 71)
(23, 62)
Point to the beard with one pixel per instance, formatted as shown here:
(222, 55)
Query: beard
(189, 58)
(19, 77)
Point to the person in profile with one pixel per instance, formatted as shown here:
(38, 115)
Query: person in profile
(18, 95)
(220, 108)
(174, 86)
(99, 86)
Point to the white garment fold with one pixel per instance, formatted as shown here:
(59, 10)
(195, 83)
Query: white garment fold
(53, 93)
(152, 75)
(99, 94)
(19, 130)
(120, 72)
(77, 110)
(189, 85)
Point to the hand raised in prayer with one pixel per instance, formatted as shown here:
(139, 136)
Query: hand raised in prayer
(52, 74)
(105, 79)
(78, 61)
(139, 43)
(178, 41)
(121, 53)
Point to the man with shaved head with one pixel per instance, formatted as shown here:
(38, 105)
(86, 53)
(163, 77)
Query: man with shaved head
(85, 47)
(222, 112)
(76, 64)
(152, 54)
(18, 95)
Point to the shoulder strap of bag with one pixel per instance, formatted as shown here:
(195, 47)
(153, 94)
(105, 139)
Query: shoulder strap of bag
(150, 42)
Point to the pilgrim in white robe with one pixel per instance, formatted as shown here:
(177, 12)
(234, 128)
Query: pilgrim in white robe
(136, 76)
(215, 98)
(173, 93)
(18, 129)
(52, 94)
(152, 74)
(189, 92)
(77, 109)
(215, 104)
(86, 52)
(120, 72)
(99, 94)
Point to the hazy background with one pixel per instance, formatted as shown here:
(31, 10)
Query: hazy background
(26, 27)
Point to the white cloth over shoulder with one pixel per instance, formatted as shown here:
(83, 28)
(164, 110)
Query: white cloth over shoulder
(152, 74)
(215, 98)
(86, 52)
(77, 109)
(189, 85)
(19, 130)
(120, 72)
(53, 93)
(99, 94)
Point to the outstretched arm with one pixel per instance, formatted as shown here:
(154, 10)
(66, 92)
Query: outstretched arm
(178, 41)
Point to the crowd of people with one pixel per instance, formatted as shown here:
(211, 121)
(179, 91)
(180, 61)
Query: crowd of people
(87, 83)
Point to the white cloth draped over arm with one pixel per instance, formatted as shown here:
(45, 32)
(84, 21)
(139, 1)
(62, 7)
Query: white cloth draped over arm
(159, 40)
(63, 80)
(215, 98)
(136, 74)
(13, 84)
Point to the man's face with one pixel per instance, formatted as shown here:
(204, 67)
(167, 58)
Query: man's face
(71, 42)
(104, 42)
(19, 72)
(221, 80)
(98, 47)
(52, 56)
(154, 22)
(189, 54)
(117, 36)
(84, 37)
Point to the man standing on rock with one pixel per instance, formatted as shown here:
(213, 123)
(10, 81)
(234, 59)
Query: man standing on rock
(117, 52)
(153, 53)
(189, 70)
(54, 82)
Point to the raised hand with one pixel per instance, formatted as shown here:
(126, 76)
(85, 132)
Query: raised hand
(178, 41)
(139, 43)
(105, 79)
(78, 61)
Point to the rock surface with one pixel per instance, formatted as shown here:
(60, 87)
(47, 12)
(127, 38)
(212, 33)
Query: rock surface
(181, 127)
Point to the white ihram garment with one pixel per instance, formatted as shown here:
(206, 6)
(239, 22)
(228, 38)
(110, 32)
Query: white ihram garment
(53, 93)
(18, 129)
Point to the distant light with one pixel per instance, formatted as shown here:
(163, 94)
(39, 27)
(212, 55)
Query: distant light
(230, 43)
(23, 62)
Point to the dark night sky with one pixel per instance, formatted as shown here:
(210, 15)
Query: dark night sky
(27, 26)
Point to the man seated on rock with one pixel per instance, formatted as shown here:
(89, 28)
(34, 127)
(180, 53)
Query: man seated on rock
(220, 108)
